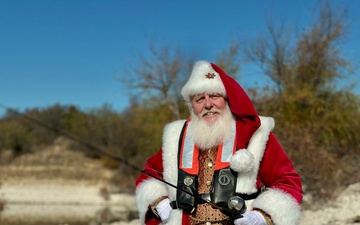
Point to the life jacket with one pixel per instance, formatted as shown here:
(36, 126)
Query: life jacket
(224, 180)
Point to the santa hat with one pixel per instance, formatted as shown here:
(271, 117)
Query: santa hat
(203, 78)
(207, 77)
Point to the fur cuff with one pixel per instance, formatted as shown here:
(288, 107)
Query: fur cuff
(242, 161)
(146, 194)
(281, 206)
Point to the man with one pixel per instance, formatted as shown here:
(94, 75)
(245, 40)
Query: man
(225, 149)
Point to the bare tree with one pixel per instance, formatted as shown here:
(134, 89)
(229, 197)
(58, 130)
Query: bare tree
(162, 74)
(319, 59)
(319, 120)
(228, 59)
(313, 61)
(272, 54)
(165, 71)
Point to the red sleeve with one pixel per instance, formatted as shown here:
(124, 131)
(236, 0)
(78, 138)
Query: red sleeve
(154, 166)
(277, 171)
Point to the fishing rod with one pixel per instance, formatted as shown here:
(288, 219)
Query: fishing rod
(236, 205)
(81, 141)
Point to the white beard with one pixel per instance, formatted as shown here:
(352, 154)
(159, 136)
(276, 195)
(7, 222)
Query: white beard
(211, 135)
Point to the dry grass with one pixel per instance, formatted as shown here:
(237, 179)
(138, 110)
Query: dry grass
(55, 164)
(37, 221)
(58, 164)
(324, 173)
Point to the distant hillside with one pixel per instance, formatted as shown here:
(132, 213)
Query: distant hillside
(56, 185)
(57, 164)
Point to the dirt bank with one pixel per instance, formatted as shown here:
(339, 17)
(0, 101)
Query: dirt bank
(57, 187)
(63, 203)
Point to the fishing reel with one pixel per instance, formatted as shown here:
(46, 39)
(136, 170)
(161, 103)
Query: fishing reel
(236, 207)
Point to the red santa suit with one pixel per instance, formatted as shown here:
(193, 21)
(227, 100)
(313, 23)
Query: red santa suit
(259, 159)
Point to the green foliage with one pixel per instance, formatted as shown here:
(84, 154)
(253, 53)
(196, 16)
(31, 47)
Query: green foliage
(320, 133)
(317, 121)
(149, 119)
(15, 136)
(130, 135)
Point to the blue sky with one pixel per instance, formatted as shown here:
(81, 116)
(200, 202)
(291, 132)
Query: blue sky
(74, 51)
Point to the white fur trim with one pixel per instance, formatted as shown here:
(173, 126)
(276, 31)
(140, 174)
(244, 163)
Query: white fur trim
(246, 181)
(147, 193)
(242, 161)
(170, 154)
(287, 210)
(199, 83)
(170, 161)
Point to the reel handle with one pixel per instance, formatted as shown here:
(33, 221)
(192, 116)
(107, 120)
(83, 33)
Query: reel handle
(237, 206)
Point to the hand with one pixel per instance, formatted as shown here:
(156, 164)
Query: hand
(163, 209)
(251, 218)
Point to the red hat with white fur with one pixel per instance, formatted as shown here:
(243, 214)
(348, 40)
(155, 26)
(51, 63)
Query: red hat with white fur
(208, 77)
(203, 78)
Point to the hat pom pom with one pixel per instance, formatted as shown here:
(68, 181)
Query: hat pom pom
(242, 161)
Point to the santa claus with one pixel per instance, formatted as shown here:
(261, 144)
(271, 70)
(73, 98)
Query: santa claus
(223, 150)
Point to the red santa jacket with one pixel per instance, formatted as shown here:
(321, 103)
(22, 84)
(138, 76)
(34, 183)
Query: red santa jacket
(260, 161)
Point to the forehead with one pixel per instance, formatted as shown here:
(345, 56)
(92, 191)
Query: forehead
(207, 93)
(199, 95)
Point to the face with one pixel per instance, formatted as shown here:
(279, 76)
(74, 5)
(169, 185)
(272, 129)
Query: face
(208, 107)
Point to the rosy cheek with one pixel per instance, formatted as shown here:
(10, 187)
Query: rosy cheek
(221, 105)
(197, 108)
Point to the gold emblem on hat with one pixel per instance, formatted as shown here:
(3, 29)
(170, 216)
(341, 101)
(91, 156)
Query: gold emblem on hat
(210, 75)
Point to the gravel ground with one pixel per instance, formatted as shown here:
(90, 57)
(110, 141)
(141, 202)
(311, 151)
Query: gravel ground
(345, 210)
(78, 203)
(74, 196)
(44, 201)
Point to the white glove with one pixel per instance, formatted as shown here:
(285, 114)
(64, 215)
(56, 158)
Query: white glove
(251, 218)
(163, 209)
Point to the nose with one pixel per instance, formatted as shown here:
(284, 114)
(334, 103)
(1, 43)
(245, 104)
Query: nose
(208, 102)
